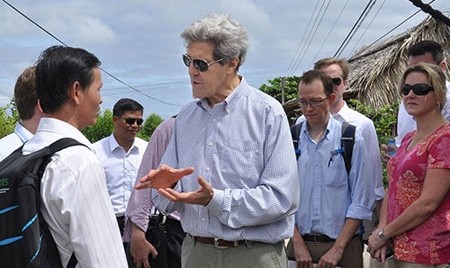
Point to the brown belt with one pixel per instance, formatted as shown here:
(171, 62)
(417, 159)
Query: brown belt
(318, 238)
(219, 243)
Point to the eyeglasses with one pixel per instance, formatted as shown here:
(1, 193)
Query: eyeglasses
(130, 121)
(199, 64)
(312, 102)
(418, 89)
(336, 81)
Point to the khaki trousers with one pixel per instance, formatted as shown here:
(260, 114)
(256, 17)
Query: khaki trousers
(255, 255)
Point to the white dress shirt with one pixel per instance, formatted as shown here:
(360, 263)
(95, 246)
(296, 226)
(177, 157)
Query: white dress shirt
(367, 129)
(75, 202)
(120, 169)
(406, 123)
(14, 140)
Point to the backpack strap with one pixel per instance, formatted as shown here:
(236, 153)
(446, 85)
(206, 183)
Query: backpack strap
(63, 143)
(295, 132)
(347, 143)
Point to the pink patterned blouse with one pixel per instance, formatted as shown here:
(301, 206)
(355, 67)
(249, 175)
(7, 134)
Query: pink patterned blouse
(429, 242)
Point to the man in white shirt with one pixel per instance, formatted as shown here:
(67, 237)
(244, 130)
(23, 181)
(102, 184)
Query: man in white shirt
(24, 95)
(121, 154)
(424, 51)
(75, 202)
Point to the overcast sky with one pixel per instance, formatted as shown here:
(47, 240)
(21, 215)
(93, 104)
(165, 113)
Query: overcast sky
(138, 41)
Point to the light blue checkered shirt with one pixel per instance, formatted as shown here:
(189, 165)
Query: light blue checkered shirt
(243, 148)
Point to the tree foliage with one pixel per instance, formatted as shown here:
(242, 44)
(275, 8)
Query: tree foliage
(275, 86)
(102, 128)
(151, 123)
(8, 119)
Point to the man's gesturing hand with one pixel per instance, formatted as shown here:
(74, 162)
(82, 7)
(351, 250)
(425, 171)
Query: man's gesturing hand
(163, 177)
(202, 196)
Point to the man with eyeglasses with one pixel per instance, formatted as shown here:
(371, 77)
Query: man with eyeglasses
(333, 202)
(121, 154)
(338, 70)
(229, 169)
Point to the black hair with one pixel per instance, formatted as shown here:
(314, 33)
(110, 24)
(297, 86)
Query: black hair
(57, 68)
(427, 46)
(126, 105)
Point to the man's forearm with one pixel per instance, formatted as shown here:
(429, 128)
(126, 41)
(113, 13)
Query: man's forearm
(348, 231)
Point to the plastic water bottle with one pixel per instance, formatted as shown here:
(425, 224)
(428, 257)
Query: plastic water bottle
(392, 149)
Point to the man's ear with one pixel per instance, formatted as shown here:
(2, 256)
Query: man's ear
(233, 65)
(75, 92)
(346, 84)
(38, 106)
(115, 118)
(443, 66)
(332, 97)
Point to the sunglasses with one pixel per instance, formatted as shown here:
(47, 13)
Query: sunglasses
(200, 65)
(418, 89)
(336, 81)
(312, 102)
(130, 121)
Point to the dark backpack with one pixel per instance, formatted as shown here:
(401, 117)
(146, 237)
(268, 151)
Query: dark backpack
(347, 142)
(25, 240)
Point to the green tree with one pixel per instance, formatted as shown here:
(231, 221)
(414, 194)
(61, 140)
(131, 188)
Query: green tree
(8, 119)
(102, 128)
(384, 118)
(274, 87)
(151, 123)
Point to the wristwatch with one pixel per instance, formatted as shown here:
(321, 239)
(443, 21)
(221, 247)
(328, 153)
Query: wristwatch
(381, 235)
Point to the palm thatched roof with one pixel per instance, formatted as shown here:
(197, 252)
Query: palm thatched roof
(375, 70)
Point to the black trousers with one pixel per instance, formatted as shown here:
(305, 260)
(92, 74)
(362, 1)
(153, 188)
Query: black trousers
(166, 235)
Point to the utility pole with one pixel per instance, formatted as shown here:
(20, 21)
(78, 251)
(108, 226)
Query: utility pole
(282, 90)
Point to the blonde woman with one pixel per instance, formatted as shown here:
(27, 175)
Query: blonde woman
(415, 216)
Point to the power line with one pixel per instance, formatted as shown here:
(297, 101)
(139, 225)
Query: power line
(367, 27)
(147, 86)
(396, 27)
(329, 32)
(106, 72)
(35, 23)
(313, 35)
(300, 44)
(355, 27)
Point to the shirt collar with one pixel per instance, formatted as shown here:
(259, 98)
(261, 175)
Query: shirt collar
(344, 113)
(23, 133)
(62, 128)
(114, 145)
